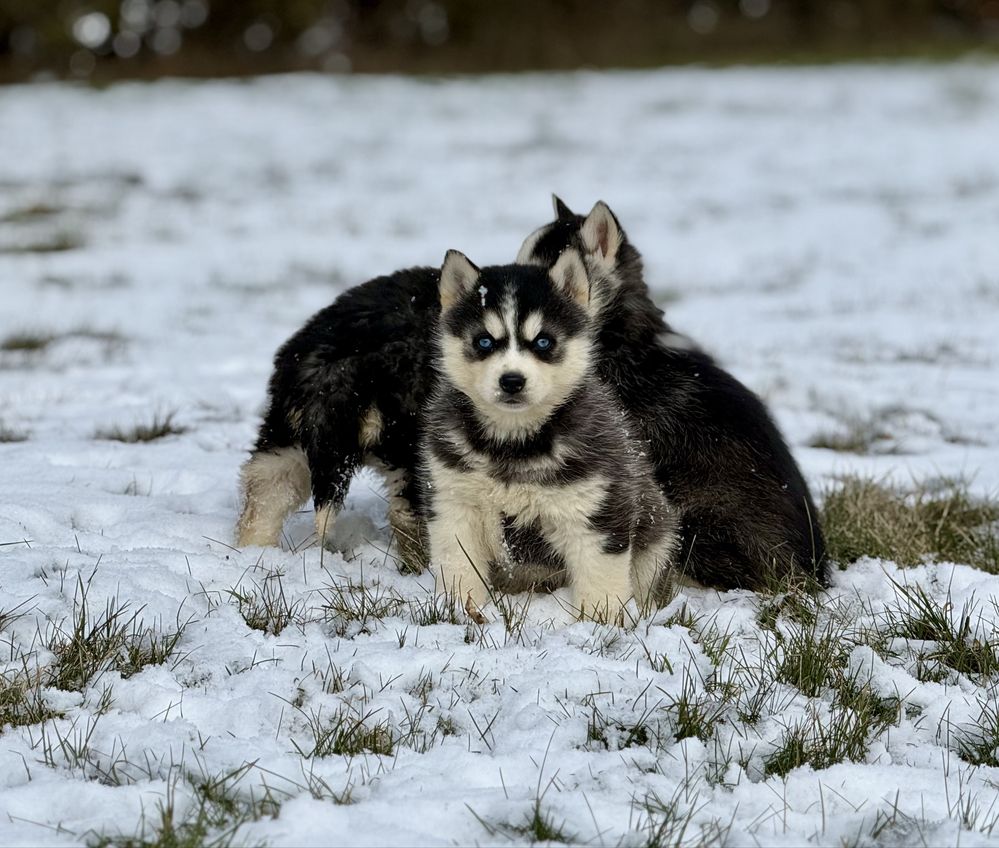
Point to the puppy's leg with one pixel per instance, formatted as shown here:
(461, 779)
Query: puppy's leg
(334, 453)
(646, 575)
(274, 482)
(461, 548)
(600, 581)
(407, 529)
(655, 545)
(601, 584)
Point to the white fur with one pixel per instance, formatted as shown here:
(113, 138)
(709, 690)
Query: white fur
(648, 566)
(525, 256)
(466, 536)
(494, 325)
(273, 484)
(547, 385)
(403, 521)
(372, 425)
(569, 276)
(601, 236)
(458, 275)
(532, 325)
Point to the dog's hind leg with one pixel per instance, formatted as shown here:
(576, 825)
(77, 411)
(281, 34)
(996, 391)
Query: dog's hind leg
(407, 528)
(333, 450)
(274, 482)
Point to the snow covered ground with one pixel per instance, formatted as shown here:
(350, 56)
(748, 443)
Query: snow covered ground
(830, 234)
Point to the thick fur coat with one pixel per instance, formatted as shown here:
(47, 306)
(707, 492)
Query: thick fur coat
(746, 514)
(529, 459)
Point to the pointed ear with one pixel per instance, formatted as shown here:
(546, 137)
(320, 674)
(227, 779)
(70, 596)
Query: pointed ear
(569, 277)
(562, 212)
(458, 275)
(602, 235)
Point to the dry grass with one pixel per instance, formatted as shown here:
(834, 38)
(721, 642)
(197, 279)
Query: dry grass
(10, 434)
(27, 341)
(856, 435)
(31, 342)
(31, 213)
(160, 427)
(57, 242)
(864, 517)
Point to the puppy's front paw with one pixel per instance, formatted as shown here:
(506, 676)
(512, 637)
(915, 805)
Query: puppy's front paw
(602, 609)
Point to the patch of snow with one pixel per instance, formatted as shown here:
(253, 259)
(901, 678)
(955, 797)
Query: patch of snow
(828, 233)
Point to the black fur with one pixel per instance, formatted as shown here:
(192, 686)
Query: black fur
(372, 347)
(746, 510)
(747, 514)
(589, 433)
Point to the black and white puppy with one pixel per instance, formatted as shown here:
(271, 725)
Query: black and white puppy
(347, 389)
(522, 436)
(745, 510)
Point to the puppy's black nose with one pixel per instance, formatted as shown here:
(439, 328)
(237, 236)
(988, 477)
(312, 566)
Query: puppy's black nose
(512, 382)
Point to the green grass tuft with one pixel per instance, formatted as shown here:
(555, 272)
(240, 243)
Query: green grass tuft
(21, 700)
(953, 640)
(694, 714)
(538, 826)
(347, 733)
(356, 607)
(266, 608)
(542, 827)
(864, 517)
(160, 427)
(27, 341)
(9, 435)
(112, 639)
(823, 742)
(809, 657)
(213, 816)
(979, 743)
(670, 823)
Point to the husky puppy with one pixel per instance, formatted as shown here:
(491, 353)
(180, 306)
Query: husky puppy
(522, 438)
(746, 513)
(346, 389)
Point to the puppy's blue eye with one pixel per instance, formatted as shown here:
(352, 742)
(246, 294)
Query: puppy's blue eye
(484, 342)
(543, 343)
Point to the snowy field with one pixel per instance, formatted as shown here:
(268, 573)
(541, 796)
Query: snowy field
(830, 234)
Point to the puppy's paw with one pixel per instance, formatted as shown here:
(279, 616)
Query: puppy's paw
(603, 610)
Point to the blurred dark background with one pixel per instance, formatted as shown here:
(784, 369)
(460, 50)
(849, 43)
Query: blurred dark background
(106, 39)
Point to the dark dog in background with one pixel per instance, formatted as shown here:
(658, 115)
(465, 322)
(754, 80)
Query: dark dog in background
(746, 513)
